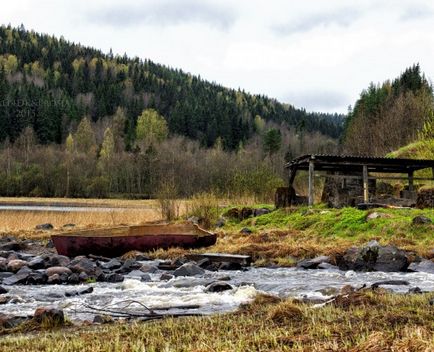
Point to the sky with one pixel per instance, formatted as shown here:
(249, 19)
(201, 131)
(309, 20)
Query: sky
(315, 54)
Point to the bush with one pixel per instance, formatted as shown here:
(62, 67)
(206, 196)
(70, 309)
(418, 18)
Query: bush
(167, 199)
(204, 206)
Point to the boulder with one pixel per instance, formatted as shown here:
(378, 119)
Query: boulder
(140, 274)
(11, 246)
(58, 270)
(425, 266)
(15, 264)
(68, 225)
(421, 220)
(4, 275)
(112, 264)
(313, 263)
(3, 264)
(391, 259)
(246, 213)
(49, 315)
(113, 277)
(79, 292)
(54, 279)
(148, 268)
(374, 257)
(189, 269)
(73, 279)
(36, 278)
(218, 286)
(3, 290)
(84, 265)
(327, 266)
(36, 263)
(376, 215)
(166, 277)
(16, 279)
(129, 265)
(46, 226)
(56, 260)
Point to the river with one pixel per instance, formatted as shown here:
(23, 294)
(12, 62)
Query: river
(182, 291)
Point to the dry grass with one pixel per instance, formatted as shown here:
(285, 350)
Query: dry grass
(394, 323)
(23, 223)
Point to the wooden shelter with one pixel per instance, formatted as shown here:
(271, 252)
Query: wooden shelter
(364, 168)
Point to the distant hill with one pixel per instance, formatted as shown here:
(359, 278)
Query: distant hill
(50, 84)
(391, 115)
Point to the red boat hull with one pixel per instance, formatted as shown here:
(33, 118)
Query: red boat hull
(115, 242)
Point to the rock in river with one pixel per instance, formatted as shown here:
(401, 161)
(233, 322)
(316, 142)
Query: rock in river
(218, 286)
(425, 266)
(188, 269)
(313, 263)
(58, 270)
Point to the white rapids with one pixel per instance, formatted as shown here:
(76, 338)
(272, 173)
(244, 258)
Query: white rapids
(190, 291)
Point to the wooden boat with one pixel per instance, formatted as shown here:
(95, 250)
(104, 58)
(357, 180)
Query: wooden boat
(115, 241)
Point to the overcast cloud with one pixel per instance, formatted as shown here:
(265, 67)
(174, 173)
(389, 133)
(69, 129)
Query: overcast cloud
(315, 54)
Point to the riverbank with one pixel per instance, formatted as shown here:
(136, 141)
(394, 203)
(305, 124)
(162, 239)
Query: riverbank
(366, 321)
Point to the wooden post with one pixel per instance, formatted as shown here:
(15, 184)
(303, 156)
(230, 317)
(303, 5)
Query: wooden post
(311, 182)
(410, 181)
(365, 184)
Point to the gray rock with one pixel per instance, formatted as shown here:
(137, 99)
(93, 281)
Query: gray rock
(425, 266)
(16, 279)
(56, 260)
(36, 263)
(129, 265)
(85, 265)
(391, 259)
(112, 264)
(113, 277)
(421, 220)
(15, 264)
(74, 279)
(36, 278)
(148, 268)
(3, 290)
(313, 263)
(140, 274)
(79, 292)
(11, 246)
(44, 227)
(166, 277)
(327, 266)
(218, 286)
(54, 279)
(189, 269)
(58, 270)
(3, 264)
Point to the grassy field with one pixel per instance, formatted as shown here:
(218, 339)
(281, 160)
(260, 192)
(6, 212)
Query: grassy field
(360, 321)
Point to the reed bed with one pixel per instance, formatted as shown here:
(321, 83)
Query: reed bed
(24, 222)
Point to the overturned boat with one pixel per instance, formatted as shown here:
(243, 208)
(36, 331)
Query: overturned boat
(115, 241)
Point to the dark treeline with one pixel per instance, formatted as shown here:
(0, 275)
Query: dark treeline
(389, 115)
(49, 84)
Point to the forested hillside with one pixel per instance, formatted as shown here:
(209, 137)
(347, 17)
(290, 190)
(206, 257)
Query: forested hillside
(390, 115)
(49, 84)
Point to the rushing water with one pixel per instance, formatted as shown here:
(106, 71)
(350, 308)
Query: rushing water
(190, 291)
